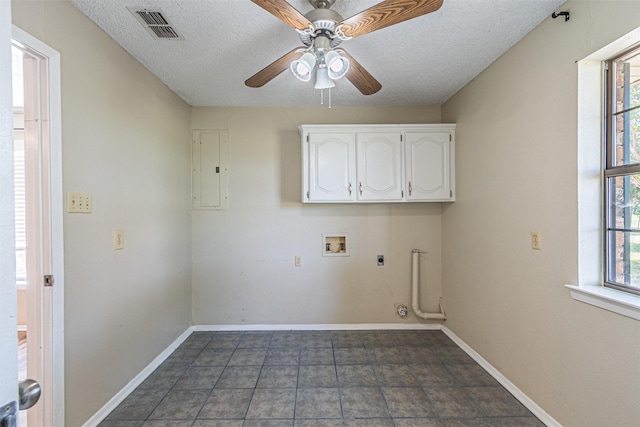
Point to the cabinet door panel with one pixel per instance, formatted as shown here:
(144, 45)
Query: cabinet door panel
(379, 166)
(427, 166)
(331, 167)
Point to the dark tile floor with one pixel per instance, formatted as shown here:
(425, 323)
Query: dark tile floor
(320, 378)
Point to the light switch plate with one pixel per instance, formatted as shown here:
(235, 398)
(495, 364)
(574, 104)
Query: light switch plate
(118, 239)
(536, 240)
(79, 202)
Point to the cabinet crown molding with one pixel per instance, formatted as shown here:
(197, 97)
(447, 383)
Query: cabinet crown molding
(376, 127)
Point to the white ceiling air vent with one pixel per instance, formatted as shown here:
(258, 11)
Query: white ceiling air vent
(156, 23)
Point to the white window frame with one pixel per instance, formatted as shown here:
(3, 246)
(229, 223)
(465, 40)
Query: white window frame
(615, 169)
(589, 288)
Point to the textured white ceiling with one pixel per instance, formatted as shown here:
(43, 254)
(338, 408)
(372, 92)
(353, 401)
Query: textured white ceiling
(423, 61)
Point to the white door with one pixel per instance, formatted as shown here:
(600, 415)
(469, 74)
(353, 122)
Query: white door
(38, 136)
(380, 176)
(428, 170)
(30, 138)
(8, 324)
(331, 167)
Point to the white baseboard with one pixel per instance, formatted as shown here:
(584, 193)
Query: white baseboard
(135, 382)
(540, 413)
(102, 413)
(320, 327)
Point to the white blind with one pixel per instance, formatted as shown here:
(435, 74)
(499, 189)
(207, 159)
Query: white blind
(20, 204)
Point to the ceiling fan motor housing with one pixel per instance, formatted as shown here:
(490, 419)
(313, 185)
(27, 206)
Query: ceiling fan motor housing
(325, 22)
(322, 4)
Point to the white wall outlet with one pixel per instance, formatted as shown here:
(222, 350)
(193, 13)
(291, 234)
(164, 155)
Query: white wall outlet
(536, 240)
(79, 202)
(118, 239)
(298, 261)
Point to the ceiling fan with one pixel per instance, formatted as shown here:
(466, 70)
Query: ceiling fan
(323, 29)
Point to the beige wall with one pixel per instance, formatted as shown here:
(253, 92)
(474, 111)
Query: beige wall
(243, 257)
(516, 172)
(125, 141)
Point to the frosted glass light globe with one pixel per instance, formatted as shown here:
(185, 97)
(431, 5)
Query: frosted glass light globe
(302, 68)
(337, 65)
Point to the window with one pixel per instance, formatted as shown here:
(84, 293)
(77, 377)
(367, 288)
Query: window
(622, 172)
(594, 269)
(20, 206)
(19, 167)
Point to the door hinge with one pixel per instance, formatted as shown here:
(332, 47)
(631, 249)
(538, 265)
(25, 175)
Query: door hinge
(307, 137)
(48, 280)
(400, 137)
(402, 194)
(308, 194)
(450, 138)
(450, 193)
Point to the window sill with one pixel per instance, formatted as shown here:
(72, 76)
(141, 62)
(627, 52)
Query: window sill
(608, 299)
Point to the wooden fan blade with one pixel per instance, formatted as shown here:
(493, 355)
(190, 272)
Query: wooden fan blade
(387, 13)
(269, 72)
(360, 77)
(285, 12)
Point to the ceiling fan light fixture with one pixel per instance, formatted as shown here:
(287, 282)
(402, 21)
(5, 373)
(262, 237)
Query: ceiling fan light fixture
(323, 29)
(302, 67)
(322, 78)
(337, 65)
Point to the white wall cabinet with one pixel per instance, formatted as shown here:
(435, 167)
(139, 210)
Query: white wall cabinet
(331, 174)
(379, 166)
(378, 163)
(428, 165)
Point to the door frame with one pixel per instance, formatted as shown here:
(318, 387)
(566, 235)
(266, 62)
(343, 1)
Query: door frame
(8, 300)
(53, 371)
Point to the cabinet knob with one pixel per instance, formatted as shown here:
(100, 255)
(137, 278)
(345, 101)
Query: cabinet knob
(410, 188)
(360, 188)
(349, 189)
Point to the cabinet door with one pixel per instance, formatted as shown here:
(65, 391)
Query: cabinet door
(379, 166)
(331, 167)
(428, 167)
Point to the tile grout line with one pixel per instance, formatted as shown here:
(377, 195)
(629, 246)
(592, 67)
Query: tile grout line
(373, 360)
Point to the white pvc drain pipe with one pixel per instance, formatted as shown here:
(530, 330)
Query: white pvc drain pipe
(415, 279)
